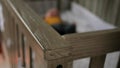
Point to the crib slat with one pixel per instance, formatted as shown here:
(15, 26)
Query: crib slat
(97, 62)
(118, 63)
(70, 64)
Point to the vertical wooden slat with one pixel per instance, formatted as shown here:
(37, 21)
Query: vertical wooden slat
(117, 23)
(94, 5)
(70, 64)
(118, 66)
(87, 4)
(27, 52)
(60, 63)
(97, 62)
(14, 45)
(59, 4)
(81, 2)
(11, 29)
(64, 4)
(6, 33)
(105, 9)
(115, 7)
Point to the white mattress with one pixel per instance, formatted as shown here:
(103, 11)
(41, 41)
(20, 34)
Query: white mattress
(84, 19)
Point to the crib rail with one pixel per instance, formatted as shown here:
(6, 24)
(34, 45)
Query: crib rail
(32, 43)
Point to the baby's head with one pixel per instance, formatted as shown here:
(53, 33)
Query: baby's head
(52, 12)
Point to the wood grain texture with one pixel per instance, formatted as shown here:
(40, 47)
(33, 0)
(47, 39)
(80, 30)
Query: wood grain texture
(97, 61)
(50, 48)
(93, 43)
(11, 19)
(36, 25)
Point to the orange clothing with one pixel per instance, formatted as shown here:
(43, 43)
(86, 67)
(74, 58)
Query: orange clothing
(53, 20)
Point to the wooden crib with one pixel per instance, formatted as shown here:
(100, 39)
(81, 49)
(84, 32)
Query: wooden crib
(31, 43)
